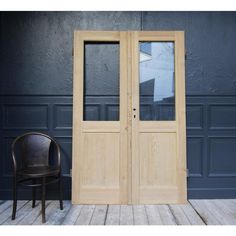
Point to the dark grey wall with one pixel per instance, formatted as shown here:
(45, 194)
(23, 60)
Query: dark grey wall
(36, 86)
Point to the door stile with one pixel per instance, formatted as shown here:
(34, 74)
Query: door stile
(181, 115)
(123, 117)
(77, 113)
(129, 106)
(135, 116)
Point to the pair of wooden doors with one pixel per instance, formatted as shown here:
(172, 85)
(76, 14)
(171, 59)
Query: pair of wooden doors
(129, 132)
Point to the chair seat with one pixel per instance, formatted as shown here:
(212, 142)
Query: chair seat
(38, 171)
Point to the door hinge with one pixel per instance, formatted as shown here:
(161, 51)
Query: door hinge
(185, 54)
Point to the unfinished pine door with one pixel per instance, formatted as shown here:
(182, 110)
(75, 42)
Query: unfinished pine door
(158, 118)
(128, 118)
(99, 167)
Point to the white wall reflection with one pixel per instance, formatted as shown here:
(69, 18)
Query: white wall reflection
(157, 62)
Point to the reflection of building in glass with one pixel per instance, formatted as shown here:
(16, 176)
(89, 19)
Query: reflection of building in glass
(157, 63)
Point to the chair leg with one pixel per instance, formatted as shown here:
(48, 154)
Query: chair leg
(43, 199)
(33, 194)
(14, 198)
(60, 193)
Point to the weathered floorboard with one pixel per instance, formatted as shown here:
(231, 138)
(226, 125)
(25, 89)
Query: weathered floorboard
(50, 208)
(99, 215)
(140, 215)
(178, 213)
(218, 210)
(166, 215)
(23, 212)
(126, 215)
(192, 215)
(205, 213)
(5, 205)
(72, 215)
(32, 216)
(113, 215)
(6, 215)
(85, 215)
(57, 217)
(153, 215)
(196, 212)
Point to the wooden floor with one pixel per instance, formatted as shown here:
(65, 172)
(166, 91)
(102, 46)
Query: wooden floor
(196, 212)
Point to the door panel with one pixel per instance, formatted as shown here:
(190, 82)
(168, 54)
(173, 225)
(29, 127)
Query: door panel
(158, 118)
(102, 148)
(129, 118)
(155, 154)
(100, 140)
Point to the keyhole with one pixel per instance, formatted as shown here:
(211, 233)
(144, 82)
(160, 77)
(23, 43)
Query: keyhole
(134, 116)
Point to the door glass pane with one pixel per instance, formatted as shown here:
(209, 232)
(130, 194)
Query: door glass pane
(156, 81)
(101, 81)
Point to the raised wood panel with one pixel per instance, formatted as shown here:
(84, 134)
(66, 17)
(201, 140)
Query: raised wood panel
(157, 155)
(100, 160)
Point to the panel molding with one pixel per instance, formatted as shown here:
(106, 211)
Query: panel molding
(194, 182)
(201, 115)
(200, 174)
(210, 106)
(210, 174)
(57, 126)
(6, 124)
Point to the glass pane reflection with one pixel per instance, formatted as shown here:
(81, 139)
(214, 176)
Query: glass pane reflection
(101, 81)
(156, 80)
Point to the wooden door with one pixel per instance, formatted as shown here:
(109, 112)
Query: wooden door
(99, 168)
(138, 154)
(158, 118)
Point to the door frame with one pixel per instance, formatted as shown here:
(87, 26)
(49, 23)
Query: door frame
(129, 82)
